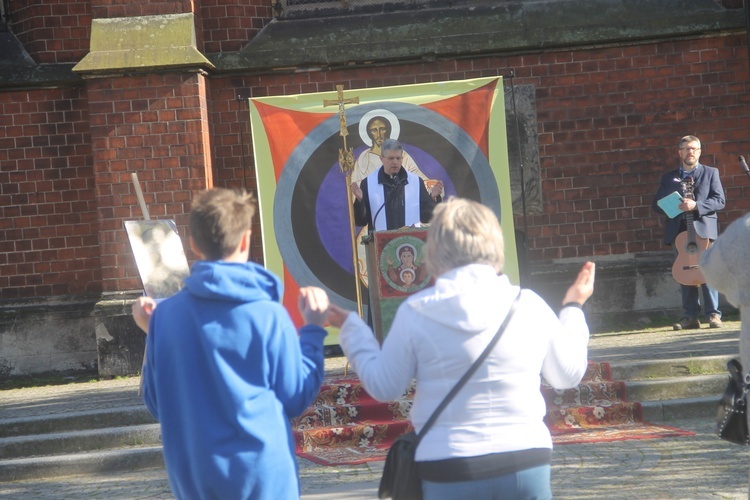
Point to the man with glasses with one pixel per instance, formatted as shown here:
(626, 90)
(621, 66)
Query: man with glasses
(391, 197)
(706, 200)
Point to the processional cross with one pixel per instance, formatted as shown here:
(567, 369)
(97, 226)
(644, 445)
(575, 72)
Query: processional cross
(346, 162)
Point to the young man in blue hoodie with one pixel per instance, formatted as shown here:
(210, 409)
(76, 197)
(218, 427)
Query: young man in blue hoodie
(225, 369)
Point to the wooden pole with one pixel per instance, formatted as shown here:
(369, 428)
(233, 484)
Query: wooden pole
(139, 194)
(146, 216)
(355, 248)
(347, 162)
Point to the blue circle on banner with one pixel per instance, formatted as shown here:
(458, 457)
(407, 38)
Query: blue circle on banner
(310, 214)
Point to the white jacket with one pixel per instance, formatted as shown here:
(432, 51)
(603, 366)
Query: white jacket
(437, 334)
(724, 264)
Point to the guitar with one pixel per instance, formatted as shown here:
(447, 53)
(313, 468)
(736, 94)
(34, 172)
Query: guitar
(689, 247)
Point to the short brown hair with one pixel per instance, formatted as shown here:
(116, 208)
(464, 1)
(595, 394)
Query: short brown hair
(218, 219)
(689, 138)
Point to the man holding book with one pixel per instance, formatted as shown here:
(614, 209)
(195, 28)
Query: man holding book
(696, 207)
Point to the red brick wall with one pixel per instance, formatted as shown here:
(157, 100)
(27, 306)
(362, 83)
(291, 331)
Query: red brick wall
(103, 9)
(48, 219)
(609, 122)
(52, 31)
(157, 127)
(228, 25)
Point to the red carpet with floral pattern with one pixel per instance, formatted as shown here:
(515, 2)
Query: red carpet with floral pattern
(345, 425)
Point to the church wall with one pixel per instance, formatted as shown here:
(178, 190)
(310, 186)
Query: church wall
(229, 24)
(49, 242)
(608, 120)
(52, 32)
(154, 126)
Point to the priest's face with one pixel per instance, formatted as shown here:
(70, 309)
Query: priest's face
(392, 161)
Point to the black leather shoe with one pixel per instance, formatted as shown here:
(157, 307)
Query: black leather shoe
(687, 324)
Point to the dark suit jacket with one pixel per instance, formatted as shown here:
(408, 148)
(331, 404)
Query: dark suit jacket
(709, 198)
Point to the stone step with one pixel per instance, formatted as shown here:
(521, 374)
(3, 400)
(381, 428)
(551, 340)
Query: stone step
(127, 437)
(676, 409)
(676, 388)
(666, 368)
(80, 441)
(94, 419)
(19, 469)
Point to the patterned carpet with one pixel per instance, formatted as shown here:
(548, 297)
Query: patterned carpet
(345, 425)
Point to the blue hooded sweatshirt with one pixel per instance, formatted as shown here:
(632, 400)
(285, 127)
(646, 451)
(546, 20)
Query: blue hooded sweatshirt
(224, 373)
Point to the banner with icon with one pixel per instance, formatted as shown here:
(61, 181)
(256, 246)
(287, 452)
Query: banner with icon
(452, 131)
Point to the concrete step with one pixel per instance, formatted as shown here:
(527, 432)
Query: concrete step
(94, 419)
(83, 442)
(703, 408)
(80, 441)
(666, 368)
(676, 388)
(128, 438)
(18, 469)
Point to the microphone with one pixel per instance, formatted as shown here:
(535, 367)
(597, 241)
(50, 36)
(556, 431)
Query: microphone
(743, 164)
(391, 187)
(377, 212)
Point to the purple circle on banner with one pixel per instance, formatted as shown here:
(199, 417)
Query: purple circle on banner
(331, 212)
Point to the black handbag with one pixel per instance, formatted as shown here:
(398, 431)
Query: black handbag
(401, 479)
(731, 413)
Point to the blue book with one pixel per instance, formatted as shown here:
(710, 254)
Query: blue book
(671, 204)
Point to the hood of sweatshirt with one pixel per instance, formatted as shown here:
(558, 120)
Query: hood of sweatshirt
(468, 297)
(233, 282)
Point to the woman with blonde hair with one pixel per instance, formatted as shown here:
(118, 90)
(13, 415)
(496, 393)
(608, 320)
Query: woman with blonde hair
(491, 440)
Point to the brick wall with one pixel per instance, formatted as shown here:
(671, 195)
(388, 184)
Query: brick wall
(609, 122)
(52, 31)
(228, 25)
(157, 127)
(104, 9)
(48, 215)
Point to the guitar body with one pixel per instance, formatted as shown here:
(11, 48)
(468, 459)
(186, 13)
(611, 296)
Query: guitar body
(685, 269)
(689, 247)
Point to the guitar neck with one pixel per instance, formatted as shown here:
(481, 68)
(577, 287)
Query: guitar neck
(690, 226)
(689, 220)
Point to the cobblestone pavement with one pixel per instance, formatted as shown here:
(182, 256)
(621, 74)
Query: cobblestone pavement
(695, 467)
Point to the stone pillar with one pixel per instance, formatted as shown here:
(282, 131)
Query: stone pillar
(147, 93)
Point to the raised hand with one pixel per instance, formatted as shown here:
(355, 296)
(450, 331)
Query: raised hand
(583, 286)
(337, 315)
(142, 310)
(357, 191)
(437, 189)
(313, 305)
